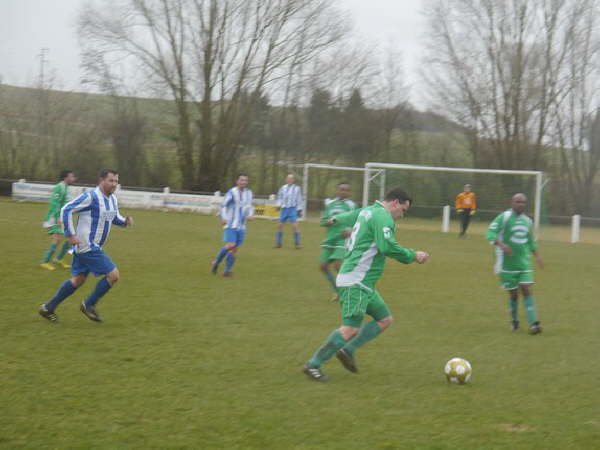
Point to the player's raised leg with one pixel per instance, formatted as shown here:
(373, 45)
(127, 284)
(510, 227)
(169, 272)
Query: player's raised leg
(88, 306)
(382, 319)
(66, 289)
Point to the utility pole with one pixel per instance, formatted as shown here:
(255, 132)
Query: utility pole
(43, 61)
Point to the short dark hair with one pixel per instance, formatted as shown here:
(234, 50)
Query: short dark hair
(242, 174)
(64, 174)
(343, 182)
(105, 172)
(397, 194)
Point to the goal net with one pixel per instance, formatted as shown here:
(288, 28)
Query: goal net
(319, 182)
(433, 188)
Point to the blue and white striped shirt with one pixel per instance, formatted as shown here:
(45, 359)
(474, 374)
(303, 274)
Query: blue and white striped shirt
(237, 207)
(290, 196)
(97, 212)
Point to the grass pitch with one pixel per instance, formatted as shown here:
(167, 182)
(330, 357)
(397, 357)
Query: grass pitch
(189, 360)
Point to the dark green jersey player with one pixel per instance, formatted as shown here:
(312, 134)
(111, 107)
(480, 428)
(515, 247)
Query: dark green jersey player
(512, 234)
(333, 246)
(371, 242)
(58, 199)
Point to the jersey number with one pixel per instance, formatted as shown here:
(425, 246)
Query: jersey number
(352, 239)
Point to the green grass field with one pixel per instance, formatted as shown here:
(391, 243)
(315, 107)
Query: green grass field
(188, 360)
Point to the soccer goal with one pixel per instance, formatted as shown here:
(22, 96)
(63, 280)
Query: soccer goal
(319, 182)
(435, 188)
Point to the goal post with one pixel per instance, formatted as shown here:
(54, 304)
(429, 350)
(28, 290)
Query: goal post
(494, 184)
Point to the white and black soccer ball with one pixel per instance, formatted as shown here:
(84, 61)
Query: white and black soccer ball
(458, 371)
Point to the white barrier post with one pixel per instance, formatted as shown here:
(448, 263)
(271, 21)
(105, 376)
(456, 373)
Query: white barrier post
(446, 219)
(575, 228)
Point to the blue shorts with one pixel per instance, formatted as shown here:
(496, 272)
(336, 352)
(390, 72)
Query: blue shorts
(96, 262)
(288, 215)
(234, 236)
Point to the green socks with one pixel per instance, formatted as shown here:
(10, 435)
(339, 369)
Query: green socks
(49, 253)
(530, 310)
(334, 342)
(331, 280)
(367, 332)
(63, 250)
(514, 309)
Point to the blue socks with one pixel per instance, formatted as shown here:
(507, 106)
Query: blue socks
(221, 255)
(279, 238)
(229, 262)
(101, 288)
(63, 292)
(297, 238)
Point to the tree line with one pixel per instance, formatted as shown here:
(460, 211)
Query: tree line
(255, 83)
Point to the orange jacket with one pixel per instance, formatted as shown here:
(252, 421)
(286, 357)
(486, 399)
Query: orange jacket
(466, 200)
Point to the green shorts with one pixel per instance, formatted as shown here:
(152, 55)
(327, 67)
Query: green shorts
(55, 229)
(356, 301)
(329, 254)
(512, 280)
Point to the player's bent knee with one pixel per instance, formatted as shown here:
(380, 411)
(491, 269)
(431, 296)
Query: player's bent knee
(348, 332)
(113, 276)
(78, 280)
(385, 322)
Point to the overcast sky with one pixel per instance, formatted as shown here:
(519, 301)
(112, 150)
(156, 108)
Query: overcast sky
(27, 26)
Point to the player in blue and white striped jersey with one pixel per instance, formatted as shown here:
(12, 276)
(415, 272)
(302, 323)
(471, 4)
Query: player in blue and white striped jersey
(289, 199)
(236, 209)
(98, 210)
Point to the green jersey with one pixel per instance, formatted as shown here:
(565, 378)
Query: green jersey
(372, 240)
(58, 199)
(516, 231)
(334, 238)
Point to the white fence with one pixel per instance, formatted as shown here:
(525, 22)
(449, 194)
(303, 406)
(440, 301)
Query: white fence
(165, 200)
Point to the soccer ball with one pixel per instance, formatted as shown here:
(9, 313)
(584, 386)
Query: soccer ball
(458, 371)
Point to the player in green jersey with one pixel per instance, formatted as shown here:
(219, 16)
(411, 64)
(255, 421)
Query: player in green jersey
(333, 246)
(371, 241)
(512, 234)
(58, 199)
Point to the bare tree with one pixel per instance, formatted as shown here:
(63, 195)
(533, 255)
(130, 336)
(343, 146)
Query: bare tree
(215, 59)
(496, 68)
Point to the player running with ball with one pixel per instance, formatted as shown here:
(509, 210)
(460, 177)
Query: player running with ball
(372, 240)
(512, 234)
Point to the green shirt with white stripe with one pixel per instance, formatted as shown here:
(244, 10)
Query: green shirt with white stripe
(516, 231)
(372, 240)
(58, 199)
(334, 238)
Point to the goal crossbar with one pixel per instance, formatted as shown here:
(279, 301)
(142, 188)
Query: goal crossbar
(367, 171)
(539, 178)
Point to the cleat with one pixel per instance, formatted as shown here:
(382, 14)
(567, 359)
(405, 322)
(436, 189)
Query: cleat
(514, 325)
(298, 247)
(315, 373)
(90, 312)
(335, 298)
(63, 264)
(535, 328)
(347, 360)
(214, 267)
(228, 275)
(47, 314)
(277, 246)
(47, 266)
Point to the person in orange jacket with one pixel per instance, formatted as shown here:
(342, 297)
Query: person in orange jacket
(466, 205)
